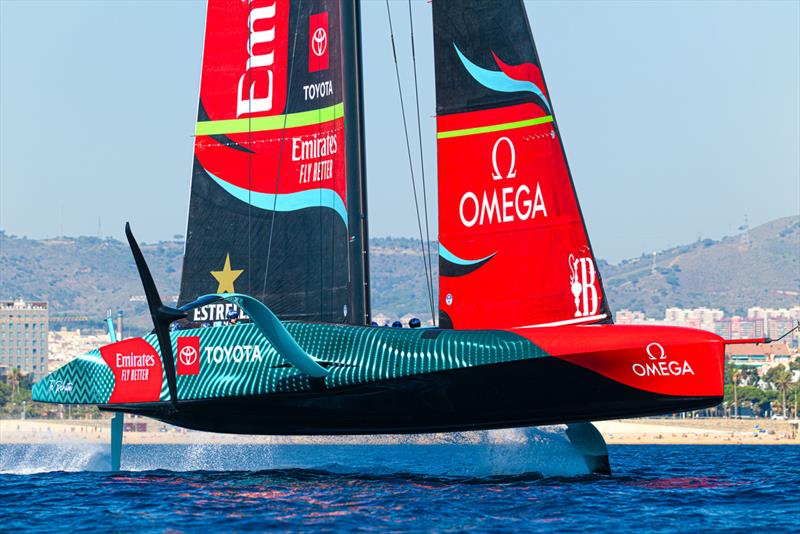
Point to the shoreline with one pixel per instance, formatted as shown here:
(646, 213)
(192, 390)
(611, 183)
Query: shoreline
(712, 431)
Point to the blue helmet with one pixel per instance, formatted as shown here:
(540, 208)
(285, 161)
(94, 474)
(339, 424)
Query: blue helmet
(233, 313)
(414, 323)
(397, 324)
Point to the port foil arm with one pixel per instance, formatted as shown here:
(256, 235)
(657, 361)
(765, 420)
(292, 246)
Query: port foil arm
(270, 326)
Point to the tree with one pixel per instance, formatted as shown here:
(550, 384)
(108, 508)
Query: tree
(749, 376)
(780, 378)
(14, 379)
(5, 394)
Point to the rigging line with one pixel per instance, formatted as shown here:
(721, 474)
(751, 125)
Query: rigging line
(410, 162)
(421, 157)
(280, 153)
(249, 190)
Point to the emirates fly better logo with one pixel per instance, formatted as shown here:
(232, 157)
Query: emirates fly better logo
(189, 355)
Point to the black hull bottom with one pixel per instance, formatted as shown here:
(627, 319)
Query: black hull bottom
(516, 394)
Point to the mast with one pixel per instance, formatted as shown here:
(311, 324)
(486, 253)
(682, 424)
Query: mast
(360, 313)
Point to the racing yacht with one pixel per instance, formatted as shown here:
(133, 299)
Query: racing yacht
(277, 228)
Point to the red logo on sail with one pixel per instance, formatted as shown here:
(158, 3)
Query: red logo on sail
(188, 355)
(318, 42)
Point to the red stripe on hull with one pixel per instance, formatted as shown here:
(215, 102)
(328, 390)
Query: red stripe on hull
(658, 359)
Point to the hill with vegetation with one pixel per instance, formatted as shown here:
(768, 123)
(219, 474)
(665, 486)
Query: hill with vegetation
(84, 276)
(759, 267)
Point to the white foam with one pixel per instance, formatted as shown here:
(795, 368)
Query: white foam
(72, 457)
(543, 450)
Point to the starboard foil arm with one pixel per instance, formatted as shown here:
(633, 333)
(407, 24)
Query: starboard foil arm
(269, 325)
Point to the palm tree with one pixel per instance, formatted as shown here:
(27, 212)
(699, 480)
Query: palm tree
(736, 373)
(782, 379)
(14, 379)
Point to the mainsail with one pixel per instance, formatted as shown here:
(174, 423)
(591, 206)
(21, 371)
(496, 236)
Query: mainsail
(268, 212)
(514, 251)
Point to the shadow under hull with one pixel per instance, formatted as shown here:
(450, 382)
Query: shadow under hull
(532, 392)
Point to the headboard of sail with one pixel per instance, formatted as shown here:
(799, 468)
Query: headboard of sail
(514, 251)
(267, 213)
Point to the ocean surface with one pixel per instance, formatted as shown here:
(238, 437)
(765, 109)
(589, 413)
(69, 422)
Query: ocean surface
(536, 486)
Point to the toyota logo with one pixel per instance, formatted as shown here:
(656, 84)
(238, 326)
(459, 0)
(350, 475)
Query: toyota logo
(188, 355)
(319, 42)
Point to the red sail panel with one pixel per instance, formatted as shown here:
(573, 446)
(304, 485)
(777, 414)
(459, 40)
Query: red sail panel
(514, 251)
(244, 83)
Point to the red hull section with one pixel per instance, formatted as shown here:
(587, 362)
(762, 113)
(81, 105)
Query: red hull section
(664, 360)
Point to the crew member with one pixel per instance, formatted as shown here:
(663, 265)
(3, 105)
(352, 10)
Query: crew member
(233, 316)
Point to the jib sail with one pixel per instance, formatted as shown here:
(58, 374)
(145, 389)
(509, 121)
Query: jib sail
(514, 251)
(268, 212)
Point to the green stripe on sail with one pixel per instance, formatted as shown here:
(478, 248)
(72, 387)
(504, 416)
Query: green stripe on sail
(495, 127)
(274, 122)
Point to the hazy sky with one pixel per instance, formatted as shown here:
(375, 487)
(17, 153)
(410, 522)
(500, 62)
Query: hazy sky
(678, 117)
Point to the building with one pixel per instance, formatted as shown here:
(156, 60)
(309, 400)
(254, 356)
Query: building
(629, 317)
(739, 328)
(23, 336)
(66, 345)
(762, 355)
(751, 328)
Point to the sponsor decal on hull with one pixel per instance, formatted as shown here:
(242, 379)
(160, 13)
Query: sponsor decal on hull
(665, 360)
(660, 364)
(233, 353)
(137, 370)
(188, 353)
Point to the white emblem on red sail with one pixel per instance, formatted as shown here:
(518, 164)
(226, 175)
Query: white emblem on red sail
(318, 42)
(582, 284)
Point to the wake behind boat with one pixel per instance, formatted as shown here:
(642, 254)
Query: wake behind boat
(278, 213)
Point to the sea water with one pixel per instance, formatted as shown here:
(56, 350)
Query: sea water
(444, 487)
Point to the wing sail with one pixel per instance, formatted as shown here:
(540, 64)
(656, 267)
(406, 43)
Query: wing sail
(514, 249)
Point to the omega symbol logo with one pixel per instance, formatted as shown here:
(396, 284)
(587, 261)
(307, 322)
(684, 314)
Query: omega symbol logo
(656, 352)
(188, 355)
(512, 171)
(581, 280)
(319, 42)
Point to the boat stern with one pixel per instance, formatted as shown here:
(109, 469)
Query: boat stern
(673, 366)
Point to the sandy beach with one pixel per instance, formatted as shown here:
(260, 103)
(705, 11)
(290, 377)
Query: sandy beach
(630, 431)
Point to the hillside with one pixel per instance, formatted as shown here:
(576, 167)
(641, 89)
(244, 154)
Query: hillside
(760, 267)
(82, 277)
